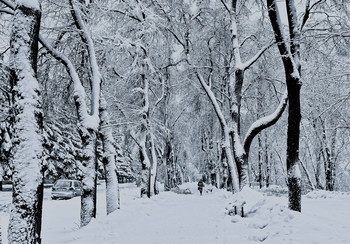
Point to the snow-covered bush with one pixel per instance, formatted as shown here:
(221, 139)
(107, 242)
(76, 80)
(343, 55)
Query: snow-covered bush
(178, 190)
(326, 194)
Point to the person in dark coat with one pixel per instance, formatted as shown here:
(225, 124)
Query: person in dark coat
(200, 186)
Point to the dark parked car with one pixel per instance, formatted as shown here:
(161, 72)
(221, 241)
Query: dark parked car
(66, 189)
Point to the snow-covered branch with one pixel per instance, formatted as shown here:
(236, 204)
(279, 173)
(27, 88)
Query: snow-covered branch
(161, 97)
(213, 100)
(225, 5)
(96, 76)
(265, 122)
(6, 11)
(251, 61)
(79, 91)
(9, 4)
(178, 117)
(308, 9)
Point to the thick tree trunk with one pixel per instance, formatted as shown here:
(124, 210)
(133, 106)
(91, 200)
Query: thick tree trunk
(330, 160)
(145, 173)
(154, 165)
(26, 213)
(166, 163)
(232, 166)
(243, 169)
(293, 132)
(109, 159)
(290, 54)
(89, 180)
(329, 170)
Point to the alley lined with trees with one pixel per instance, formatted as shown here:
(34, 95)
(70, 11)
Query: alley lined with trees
(164, 92)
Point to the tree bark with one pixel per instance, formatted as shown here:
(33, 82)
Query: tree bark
(260, 162)
(290, 55)
(26, 213)
(109, 159)
(89, 163)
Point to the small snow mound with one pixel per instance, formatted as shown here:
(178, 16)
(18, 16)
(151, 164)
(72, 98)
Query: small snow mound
(274, 190)
(247, 198)
(321, 194)
(266, 217)
(178, 190)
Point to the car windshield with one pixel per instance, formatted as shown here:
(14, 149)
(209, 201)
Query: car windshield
(63, 183)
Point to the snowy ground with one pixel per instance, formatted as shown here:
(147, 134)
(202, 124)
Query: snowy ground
(176, 218)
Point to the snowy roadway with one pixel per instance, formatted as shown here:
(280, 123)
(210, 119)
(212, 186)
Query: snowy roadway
(173, 218)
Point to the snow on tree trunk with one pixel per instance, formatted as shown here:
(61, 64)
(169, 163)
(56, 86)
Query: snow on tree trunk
(290, 54)
(145, 170)
(260, 162)
(243, 169)
(89, 170)
(268, 167)
(153, 169)
(109, 159)
(88, 124)
(232, 167)
(166, 162)
(26, 211)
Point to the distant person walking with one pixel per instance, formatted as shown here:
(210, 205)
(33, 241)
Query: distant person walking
(200, 186)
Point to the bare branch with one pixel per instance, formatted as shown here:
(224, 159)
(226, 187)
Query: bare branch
(9, 4)
(178, 116)
(307, 12)
(246, 39)
(226, 7)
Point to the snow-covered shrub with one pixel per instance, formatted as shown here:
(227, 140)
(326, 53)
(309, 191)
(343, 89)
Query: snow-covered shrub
(274, 190)
(178, 190)
(326, 194)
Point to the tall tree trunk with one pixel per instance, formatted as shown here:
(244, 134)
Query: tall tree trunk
(293, 132)
(145, 172)
(290, 54)
(26, 213)
(260, 162)
(329, 152)
(109, 159)
(154, 166)
(318, 170)
(89, 169)
(166, 162)
(268, 167)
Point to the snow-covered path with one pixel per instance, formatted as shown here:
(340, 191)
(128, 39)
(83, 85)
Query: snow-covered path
(166, 218)
(171, 218)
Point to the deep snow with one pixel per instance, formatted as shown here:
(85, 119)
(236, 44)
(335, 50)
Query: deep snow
(176, 218)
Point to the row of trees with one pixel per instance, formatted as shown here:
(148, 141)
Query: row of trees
(184, 86)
